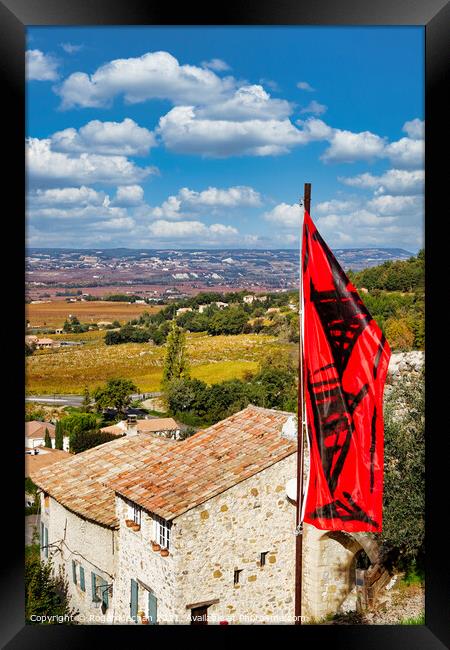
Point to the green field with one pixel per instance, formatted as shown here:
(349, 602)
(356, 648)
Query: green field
(212, 358)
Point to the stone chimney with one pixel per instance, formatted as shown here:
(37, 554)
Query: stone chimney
(131, 425)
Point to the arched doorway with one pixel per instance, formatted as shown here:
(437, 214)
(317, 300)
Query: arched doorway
(341, 561)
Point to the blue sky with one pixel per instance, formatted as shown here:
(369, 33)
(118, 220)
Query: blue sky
(187, 137)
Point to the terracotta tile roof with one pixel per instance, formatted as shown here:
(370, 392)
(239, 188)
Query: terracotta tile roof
(207, 463)
(157, 424)
(145, 426)
(79, 482)
(113, 428)
(36, 429)
(45, 457)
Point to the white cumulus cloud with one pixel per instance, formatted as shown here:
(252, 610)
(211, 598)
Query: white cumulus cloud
(216, 64)
(415, 129)
(47, 167)
(107, 138)
(231, 197)
(314, 107)
(71, 48)
(129, 195)
(393, 181)
(285, 215)
(386, 204)
(248, 102)
(40, 66)
(67, 196)
(304, 85)
(154, 75)
(186, 229)
(406, 152)
(346, 146)
(183, 131)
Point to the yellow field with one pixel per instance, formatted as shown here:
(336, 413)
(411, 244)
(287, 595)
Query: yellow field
(213, 359)
(53, 314)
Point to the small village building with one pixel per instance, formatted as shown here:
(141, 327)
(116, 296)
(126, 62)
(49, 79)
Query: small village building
(249, 299)
(35, 435)
(38, 457)
(104, 323)
(273, 310)
(41, 343)
(153, 530)
(218, 304)
(166, 427)
(35, 459)
(183, 310)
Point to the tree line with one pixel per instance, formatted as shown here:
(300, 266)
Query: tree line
(237, 318)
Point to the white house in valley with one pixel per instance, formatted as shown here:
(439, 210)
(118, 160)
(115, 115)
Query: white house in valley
(153, 530)
(35, 435)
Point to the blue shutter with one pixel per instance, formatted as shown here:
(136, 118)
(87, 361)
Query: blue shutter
(82, 582)
(42, 536)
(93, 586)
(152, 608)
(74, 572)
(105, 594)
(134, 600)
(46, 540)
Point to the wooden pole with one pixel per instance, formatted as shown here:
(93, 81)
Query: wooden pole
(300, 439)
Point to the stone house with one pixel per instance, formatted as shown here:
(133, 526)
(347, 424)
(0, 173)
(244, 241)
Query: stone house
(153, 530)
(167, 427)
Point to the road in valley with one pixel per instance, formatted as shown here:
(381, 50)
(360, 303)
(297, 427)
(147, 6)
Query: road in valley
(76, 400)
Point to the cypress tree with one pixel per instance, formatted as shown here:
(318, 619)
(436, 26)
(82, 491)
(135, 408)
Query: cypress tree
(59, 435)
(86, 404)
(176, 364)
(47, 439)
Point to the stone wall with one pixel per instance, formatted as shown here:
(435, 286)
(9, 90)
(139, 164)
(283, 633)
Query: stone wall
(329, 574)
(139, 562)
(72, 537)
(230, 532)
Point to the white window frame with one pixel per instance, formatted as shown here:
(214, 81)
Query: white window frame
(135, 512)
(162, 532)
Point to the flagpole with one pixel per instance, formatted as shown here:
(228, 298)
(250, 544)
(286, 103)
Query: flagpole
(300, 437)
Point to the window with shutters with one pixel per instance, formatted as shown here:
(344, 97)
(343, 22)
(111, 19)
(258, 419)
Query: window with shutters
(44, 539)
(100, 591)
(162, 532)
(152, 610)
(134, 600)
(78, 575)
(74, 572)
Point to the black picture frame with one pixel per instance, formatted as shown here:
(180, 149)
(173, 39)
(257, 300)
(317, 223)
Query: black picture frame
(434, 16)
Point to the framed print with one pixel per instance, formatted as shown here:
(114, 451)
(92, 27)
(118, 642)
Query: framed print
(225, 219)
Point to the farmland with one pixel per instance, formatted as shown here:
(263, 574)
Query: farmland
(213, 359)
(53, 314)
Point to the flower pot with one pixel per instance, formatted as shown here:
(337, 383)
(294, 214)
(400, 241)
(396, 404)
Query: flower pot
(145, 620)
(135, 527)
(155, 546)
(129, 522)
(164, 552)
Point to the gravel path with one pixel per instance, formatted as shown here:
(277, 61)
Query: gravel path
(394, 605)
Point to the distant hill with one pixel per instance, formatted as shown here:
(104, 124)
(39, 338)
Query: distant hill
(362, 258)
(350, 258)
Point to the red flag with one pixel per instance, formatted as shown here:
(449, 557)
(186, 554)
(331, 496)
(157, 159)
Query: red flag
(346, 358)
